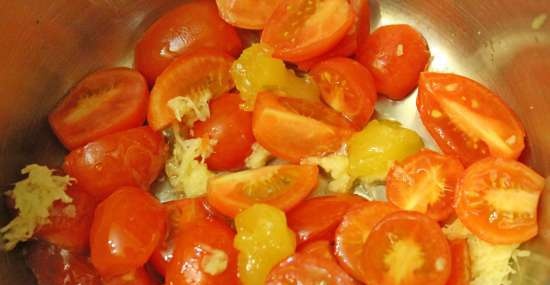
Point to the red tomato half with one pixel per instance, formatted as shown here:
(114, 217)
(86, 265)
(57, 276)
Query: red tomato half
(497, 200)
(247, 14)
(317, 218)
(199, 251)
(395, 55)
(127, 227)
(281, 186)
(407, 248)
(194, 75)
(293, 129)
(460, 263)
(231, 128)
(466, 119)
(130, 158)
(137, 277)
(191, 26)
(302, 29)
(425, 182)
(104, 102)
(348, 88)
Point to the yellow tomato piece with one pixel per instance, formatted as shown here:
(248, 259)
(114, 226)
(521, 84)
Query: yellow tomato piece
(373, 150)
(263, 240)
(255, 71)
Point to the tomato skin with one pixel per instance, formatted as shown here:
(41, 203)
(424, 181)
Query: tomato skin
(293, 129)
(301, 41)
(395, 55)
(460, 263)
(138, 277)
(466, 119)
(318, 218)
(193, 247)
(186, 28)
(232, 193)
(118, 94)
(497, 200)
(247, 14)
(69, 225)
(231, 128)
(353, 231)
(348, 87)
(127, 227)
(425, 182)
(130, 158)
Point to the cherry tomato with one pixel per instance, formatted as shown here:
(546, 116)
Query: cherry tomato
(247, 14)
(281, 186)
(406, 248)
(204, 254)
(302, 29)
(69, 225)
(231, 129)
(189, 27)
(460, 263)
(352, 234)
(320, 248)
(318, 218)
(293, 129)
(52, 265)
(395, 55)
(197, 75)
(348, 88)
(137, 277)
(497, 200)
(181, 214)
(127, 227)
(130, 158)
(104, 102)
(425, 182)
(466, 119)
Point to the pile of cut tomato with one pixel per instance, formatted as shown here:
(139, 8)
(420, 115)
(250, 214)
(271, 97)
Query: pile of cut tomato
(308, 89)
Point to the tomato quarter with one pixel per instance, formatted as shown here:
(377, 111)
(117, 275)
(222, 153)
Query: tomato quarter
(466, 119)
(281, 186)
(460, 263)
(247, 14)
(497, 200)
(425, 182)
(104, 102)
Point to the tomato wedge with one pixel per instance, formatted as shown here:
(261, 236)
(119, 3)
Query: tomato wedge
(247, 14)
(407, 248)
(466, 119)
(104, 102)
(497, 200)
(281, 186)
(197, 76)
(352, 234)
(348, 88)
(302, 29)
(318, 218)
(395, 55)
(292, 129)
(425, 182)
(189, 27)
(460, 262)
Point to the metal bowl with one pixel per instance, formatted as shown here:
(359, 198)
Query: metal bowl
(46, 46)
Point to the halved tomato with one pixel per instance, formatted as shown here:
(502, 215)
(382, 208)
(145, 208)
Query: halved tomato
(191, 26)
(197, 76)
(460, 262)
(281, 186)
(407, 248)
(104, 102)
(293, 129)
(303, 29)
(425, 182)
(466, 119)
(497, 200)
(318, 218)
(348, 87)
(352, 234)
(247, 14)
(395, 55)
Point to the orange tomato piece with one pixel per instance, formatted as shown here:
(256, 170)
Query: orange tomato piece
(247, 14)
(139, 276)
(460, 262)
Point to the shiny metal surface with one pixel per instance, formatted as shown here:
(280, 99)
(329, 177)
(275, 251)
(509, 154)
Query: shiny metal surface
(45, 46)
